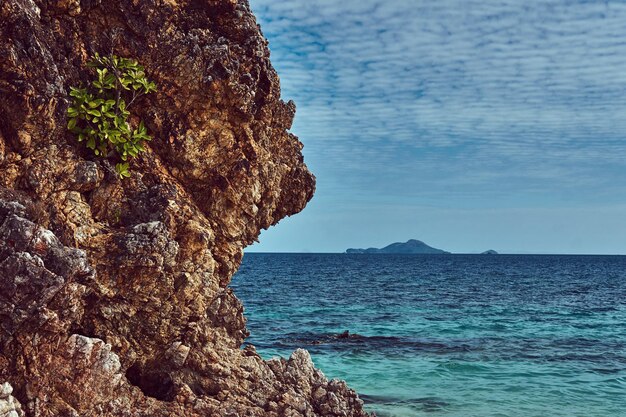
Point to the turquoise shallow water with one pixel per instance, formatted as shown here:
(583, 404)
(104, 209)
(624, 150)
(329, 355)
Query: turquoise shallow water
(450, 335)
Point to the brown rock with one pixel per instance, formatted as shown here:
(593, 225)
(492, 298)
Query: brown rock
(114, 297)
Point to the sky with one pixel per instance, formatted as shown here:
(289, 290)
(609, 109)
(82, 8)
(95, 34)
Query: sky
(469, 125)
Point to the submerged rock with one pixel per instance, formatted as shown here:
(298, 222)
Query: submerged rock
(114, 297)
(347, 335)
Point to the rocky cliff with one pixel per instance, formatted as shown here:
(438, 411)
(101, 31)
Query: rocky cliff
(114, 297)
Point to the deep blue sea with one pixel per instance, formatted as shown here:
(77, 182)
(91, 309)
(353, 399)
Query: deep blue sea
(450, 335)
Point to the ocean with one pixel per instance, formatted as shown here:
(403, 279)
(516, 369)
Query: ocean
(450, 335)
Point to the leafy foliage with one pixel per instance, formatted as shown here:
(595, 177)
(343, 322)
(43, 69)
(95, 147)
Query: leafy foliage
(99, 114)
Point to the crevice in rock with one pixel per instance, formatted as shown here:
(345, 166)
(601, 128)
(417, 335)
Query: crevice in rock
(203, 390)
(264, 87)
(155, 384)
(81, 330)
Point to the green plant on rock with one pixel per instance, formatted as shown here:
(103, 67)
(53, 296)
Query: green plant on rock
(99, 113)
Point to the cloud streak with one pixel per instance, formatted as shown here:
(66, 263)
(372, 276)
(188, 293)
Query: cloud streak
(455, 98)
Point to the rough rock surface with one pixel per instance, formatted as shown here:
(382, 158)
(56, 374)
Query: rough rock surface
(114, 297)
(9, 407)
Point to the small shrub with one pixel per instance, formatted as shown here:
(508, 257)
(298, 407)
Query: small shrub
(99, 113)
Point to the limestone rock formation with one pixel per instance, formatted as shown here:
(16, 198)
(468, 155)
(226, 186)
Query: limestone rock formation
(9, 407)
(114, 297)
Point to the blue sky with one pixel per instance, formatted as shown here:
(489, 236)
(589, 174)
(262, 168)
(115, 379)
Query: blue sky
(467, 124)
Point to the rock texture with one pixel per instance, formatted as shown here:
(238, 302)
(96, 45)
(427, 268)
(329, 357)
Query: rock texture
(9, 407)
(114, 297)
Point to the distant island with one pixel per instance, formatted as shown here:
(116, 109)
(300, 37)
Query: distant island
(489, 252)
(412, 246)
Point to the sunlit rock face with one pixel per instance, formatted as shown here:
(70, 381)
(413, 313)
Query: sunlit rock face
(114, 297)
